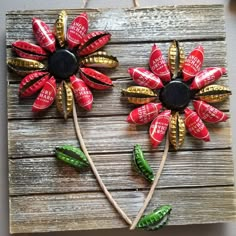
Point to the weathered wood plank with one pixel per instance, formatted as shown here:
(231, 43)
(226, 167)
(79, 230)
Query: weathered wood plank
(29, 138)
(129, 25)
(137, 55)
(21, 108)
(82, 211)
(48, 175)
(56, 197)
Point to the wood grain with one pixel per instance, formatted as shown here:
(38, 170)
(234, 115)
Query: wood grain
(101, 134)
(75, 211)
(182, 169)
(133, 25)
(47, 195)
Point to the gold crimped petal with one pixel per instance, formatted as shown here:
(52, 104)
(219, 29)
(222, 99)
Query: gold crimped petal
(60, 27)
(176, 58)
(64, 99)
(213, 93)
(102, 61)
(139, 94)
(24, 66)
(177, 131)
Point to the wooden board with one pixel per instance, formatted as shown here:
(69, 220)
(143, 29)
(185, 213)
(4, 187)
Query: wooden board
(47, 195)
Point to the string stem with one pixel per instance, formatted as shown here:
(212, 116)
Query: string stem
(154, 184)
(94, 169)
(136, 3)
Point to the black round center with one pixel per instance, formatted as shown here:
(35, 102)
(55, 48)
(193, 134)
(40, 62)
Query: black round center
(175, 95)
(62, 64)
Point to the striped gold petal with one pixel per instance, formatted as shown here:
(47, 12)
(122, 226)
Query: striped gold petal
(102, 61)
(176, 58)
(177, 130)
(60, 27)
(139, 94)
(213, 93)
(99, 53)
(24, 66)
(64, 99)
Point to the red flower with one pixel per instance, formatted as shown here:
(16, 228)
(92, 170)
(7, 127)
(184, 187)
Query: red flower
(179, 82)
(64, 53)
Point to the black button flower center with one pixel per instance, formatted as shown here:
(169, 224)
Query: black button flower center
(62, 64)
(175, 95)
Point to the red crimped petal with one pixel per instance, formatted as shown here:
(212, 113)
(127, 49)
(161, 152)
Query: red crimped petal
(158, 127)
(83, 95)
(29, 50)
(46, 97)
(93, 41)
(195, 125)
(207, 76)
(193, 63)
(158, 64)
(95, 79)
(40, 79)
(44, 35)
(144, 77)
(77, 29)
(209, 113)
(144, 114)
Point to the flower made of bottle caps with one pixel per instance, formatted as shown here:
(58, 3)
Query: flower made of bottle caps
(59, 56)
(179, 82)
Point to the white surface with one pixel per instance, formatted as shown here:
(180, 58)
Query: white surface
(191, 230)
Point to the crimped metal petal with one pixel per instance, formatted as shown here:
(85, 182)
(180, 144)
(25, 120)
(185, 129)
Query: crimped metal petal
(29, 50)
(93, 41)
(33, 82)
(95, 79)
(177, 131)
(44, 35)
(213, 93)
(176, 58)
(60, 28)
(139, 94)
(102, 61)
(64, 99)
(24, 66)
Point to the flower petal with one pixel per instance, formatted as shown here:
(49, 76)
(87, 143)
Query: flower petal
(32, 83)
(195, 125)
(213, 93)
(64, 99)
(60, 27)
(144, 114)
(209, 113)
(175, 58)
(93, 41)
(95, 79)
(29, 50)
(23, 66)
(207, 76)
(77, 29)
(139, 94)
(193, 63)
(43, 35)
(158, 127)
(158, 64)
(143, 77)
(100, 61)
(46, 97)
(83, 95)
(177, 130)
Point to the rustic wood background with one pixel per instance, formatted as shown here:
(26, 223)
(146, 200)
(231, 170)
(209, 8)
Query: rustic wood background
(47, 195)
